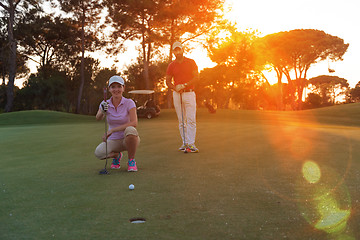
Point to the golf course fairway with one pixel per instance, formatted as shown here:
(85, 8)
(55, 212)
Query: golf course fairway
(258, 175)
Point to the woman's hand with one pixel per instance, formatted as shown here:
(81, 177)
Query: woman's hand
(108, 134)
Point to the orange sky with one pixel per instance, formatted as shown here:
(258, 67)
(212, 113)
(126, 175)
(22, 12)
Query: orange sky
(338, 18)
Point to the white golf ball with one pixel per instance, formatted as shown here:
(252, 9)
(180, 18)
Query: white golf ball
(131, 186)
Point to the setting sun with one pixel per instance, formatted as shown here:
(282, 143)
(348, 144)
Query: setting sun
(280, 15)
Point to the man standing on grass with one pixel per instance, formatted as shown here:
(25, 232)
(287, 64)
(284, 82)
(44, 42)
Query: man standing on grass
(184, 72)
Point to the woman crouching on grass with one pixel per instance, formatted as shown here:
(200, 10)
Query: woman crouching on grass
(122, 120)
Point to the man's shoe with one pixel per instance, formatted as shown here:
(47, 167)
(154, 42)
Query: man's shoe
(182, 148)
(192, 148)
(132, 166)
(116, 162)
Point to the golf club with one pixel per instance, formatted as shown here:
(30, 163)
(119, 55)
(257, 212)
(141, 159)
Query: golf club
(183, 124)
(105, 171)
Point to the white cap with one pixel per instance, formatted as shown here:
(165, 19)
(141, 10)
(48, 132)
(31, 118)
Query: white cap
(177, 45)
(116, 79)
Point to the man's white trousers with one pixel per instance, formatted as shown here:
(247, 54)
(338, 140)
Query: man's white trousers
(188, 115)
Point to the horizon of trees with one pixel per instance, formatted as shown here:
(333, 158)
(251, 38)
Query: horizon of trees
(68, 80)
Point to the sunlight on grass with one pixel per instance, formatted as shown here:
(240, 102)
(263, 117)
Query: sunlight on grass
(321, 193)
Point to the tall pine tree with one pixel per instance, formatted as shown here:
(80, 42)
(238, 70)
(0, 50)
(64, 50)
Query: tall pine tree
(13, 8)
(87, 14)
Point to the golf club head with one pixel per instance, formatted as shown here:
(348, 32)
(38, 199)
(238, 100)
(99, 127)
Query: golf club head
(104, 171)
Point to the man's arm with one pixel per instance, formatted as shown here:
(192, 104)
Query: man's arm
(194, 79)
(169, 83)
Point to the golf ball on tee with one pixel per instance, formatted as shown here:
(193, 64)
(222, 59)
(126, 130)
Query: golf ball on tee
(131, 186)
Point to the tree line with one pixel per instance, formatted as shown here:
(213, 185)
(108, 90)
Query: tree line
(68, 79)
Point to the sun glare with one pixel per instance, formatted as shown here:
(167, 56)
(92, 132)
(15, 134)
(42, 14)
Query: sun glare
(325, 209)
(311, 172)
(279, 15)
(333, 219)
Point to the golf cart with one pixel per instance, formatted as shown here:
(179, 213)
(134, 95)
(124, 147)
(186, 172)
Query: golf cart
(145, 104)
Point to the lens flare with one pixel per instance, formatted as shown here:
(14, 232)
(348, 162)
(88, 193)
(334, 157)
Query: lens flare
(327, 205)
(333, 219)
(311, 172)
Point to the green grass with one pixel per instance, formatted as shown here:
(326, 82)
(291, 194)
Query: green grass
(246, 182)
(38, 117)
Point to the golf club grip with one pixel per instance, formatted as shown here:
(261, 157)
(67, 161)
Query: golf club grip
(105, 97)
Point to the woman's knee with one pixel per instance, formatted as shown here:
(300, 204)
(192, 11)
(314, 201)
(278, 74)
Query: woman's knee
(131, 136)
(99, 152)
(131, 131)
(99, 155)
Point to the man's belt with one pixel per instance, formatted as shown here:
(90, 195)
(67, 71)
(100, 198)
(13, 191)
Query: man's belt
(189, 90)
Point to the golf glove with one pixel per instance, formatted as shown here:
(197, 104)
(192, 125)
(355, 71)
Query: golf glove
(104, 107)
(179, 87)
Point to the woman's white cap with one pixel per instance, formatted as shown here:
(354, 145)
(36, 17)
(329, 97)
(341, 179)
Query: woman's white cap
(116, 79)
